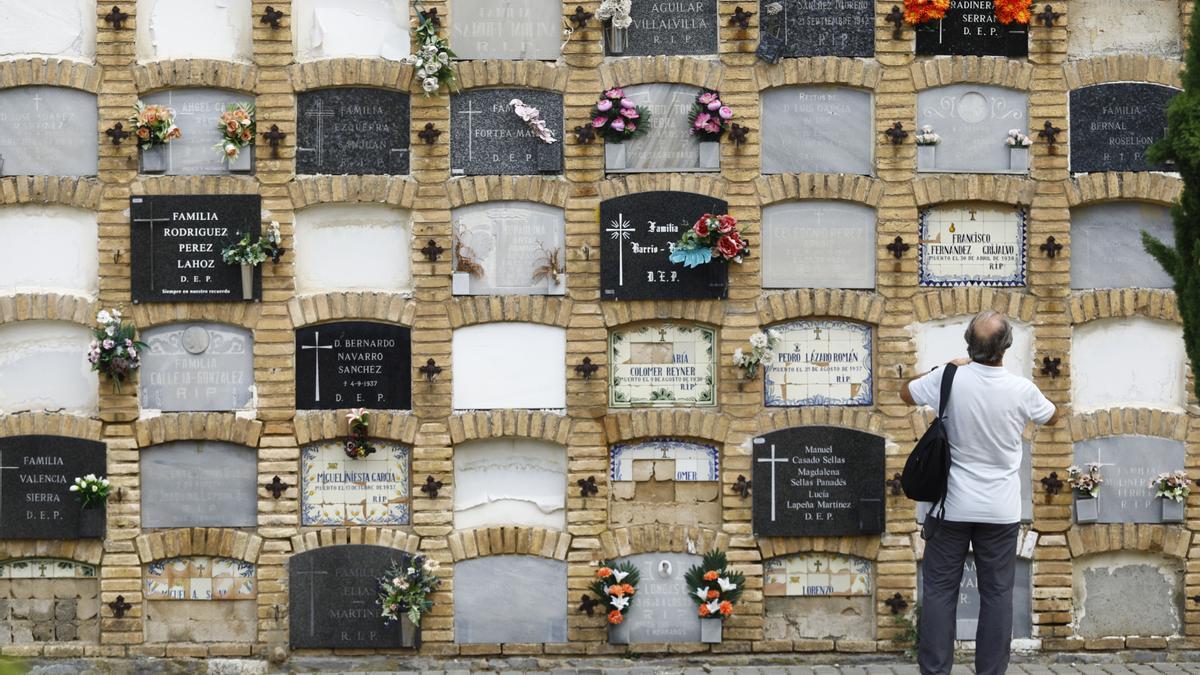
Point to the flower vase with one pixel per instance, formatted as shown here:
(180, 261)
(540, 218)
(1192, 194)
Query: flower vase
(615, 39)
(1018, 159)
(243, 163)
(410, 633)
(550, 158)
(91, 522)
(1173, 511)
(618, 633)
(1085, 508)
(614, 156)
(926, 157)
(710, 155)
(460, 283)
(710, 631)
(556, 286)
(154, 160)
(247, 281)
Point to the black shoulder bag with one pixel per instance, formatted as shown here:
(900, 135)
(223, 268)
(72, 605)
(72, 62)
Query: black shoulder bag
(927, 471)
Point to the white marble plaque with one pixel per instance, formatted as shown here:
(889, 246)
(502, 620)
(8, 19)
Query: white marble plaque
(693, 462)
(972, 245)
(817, 574)
(65, 29)
(48, 131)
(821, 363)
(506, 29)
(194, 29)
(196, 115)
(509, 241)
(817, 130)
(42, 367)
(973, 122)
(347, 247)
(329, 29)
(510, 482)
(818, 244)
(197, 367)
(942, 341)
(662, 364)
(1106, 245)
(66, 246)
(509, 365)
(198, 484)
(534, 609)
(337, 490)
(669, 144)
(1128, 363)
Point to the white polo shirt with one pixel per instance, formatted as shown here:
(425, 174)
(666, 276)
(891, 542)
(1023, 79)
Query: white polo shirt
(988, 410)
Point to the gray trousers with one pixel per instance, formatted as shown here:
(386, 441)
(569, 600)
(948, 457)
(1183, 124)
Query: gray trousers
(995, 549)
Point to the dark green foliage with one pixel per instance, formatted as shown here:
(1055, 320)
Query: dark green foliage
(716, 562)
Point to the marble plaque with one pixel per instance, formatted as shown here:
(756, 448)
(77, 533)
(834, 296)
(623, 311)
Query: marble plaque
(176, 243)
(196, 114)
(1128, 464)
(669, 144)
(353, 364)
(970, 28)
(820, 27)
(817, 130)
(693, 462)
(682, 28)
(510, 241)
(48, 131)
(968, 600)
(973, 122)
(197, 367)
(1106, 245)
(818, 244)
(333, 596)
(972, 245)
(819, 482)
(662, 611)
(817, 574)
(637, 233)
(336, 490)
(1112, 125)
(487, 137)
(821, 363)
(42, 367)
(1107, 28)
(199, 484)
(352, 130)
(200, 578)
(662, 365)
(513, 29)
(1128, 362)
(535, 605)
(510, 482)
(36, 473)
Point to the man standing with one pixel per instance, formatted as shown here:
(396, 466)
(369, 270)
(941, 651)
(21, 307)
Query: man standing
(985, 418)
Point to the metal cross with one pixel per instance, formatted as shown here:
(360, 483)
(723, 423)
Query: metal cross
(896, 18)
(1052, 483)
(320, 113)
(119, 606)
(1050, 366)
(429, 134)
(588, 487)
(276, 487)
(275, 137)
(1050, 133)
(895, 484)
(896, 133)
(742, 486)
(316, 346)
(470, 112)
(588, 604)
(740, 18)
(271, 16)
(1048, 16)
(584, 133)
(772, 460)
(896, 603)
(430, 370)
(898, 248)
(1051, 248)
(117, 133)
(587, 368)
(580, 18)
(621, 230)
(116, 17)
(737, 134)
(431, 487)
(431, 251)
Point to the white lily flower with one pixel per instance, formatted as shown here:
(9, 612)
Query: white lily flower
(714, 607)
(702, 593)
(103, 317)
(619, 603)
(726, 585)
(74, 488)
(619, 575)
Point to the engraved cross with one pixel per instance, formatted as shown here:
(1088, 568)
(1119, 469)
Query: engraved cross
(317, 347)
(772, 460)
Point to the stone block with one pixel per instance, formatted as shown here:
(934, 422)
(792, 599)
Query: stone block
(64, 610)
(43, 631)
(643, 470)
(692, 492)
(41, 610)
(655, 491)
(65, 632)
(87, 608)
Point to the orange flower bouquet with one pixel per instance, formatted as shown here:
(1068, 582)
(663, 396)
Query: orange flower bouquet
(237, 129)
(153, 125)
(917, 12)
(615, 585)
(713, 586)
(1013, 11)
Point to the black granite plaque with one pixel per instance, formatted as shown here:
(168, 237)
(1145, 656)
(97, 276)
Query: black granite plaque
(818, 482)
(677, 27)
(176, 243)
(819, 27)
(970, 28)
(36, 474)
(487, 137)
(333, 595)
(353, 364)
(636, 235)
(1112, 125)
(354, 130)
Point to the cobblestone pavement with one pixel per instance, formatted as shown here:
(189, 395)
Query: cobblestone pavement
(874, 669)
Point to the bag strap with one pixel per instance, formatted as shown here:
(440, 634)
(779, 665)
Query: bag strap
(947, 383)
(933, 522)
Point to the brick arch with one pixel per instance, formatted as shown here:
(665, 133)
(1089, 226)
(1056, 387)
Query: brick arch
(194, 185)
(794, 187)
(1142, 186)
(1128, 421)
(488, 541)
(1123, 68)
(322, 425)
(858, 419)
(866, 548)
(241, 314)
(509, 423)
(89, 552)
(469, 311)
(864, 306)
(341, 536)
(210, 426)
(214, 541)
(194, 73)
(306, 310)
(945, 303)
(621, 186)
(661, 69)
(1008, 73)
(51, 424)
(621, 314)
(973, 188)
(74, 191)
(1170, 540)
(50, 72)
(350, 72)
(624, 541)
(47, 307)
(480, 189)
(487, 73)
(818, 70)
(631, 425)
(399, 191)
(1116, 303)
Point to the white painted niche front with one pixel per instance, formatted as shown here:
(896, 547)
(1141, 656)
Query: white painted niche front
(818, 243)
(66, 239)
(510, 482)
(509, 365)
(509, 248)
(1130, 363)
(342, 247)
(43, 366)
(330, 29)
(194, 29)
(65, 29)
(939, 342)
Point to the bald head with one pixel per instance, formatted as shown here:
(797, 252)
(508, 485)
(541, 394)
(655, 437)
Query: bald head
(988, 336)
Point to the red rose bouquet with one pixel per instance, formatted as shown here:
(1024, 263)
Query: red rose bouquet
(711, 238)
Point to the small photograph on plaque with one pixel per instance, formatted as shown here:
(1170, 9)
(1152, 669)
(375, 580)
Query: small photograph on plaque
(662, 365)
(824, 362)
(972, 245)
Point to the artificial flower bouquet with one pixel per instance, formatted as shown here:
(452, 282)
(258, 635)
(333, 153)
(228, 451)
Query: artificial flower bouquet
(115, 351)
(709, 117)
(250, 251)
(404, 591)
(1175, 486)
(926, 136)
(712, 237)
(358, 446)
(713, 586)
(615, 584)
(1086, 484)
(1017, 139)
(617, 118)
(762, 349)
(153, 125)
(91, 490)
(237, 126)
(431, 63)
(533, 117)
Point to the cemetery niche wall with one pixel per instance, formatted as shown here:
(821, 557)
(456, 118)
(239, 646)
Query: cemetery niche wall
(73, 235)
(516, 29)
(1133, 362)
(536, 610)
(354, 364)
(200, 599)
(531, 375)
(818, 244)
(210, 29)
(36, 474)
(939, 342)
(824, 362)
(34, 609)
(813, 595)
(353, 247)
(665, 481)
(352, 130)
(1128, 593)
(662, 613)
(509, 248)
(818, 129)
(198, 484)
(1106, 245)
(669, 144)
(970, 28)
(42, 367)
(662, 365)
(1128, 463)
(800, 28)
(687, 28)
(510, 482)
(66, 29)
